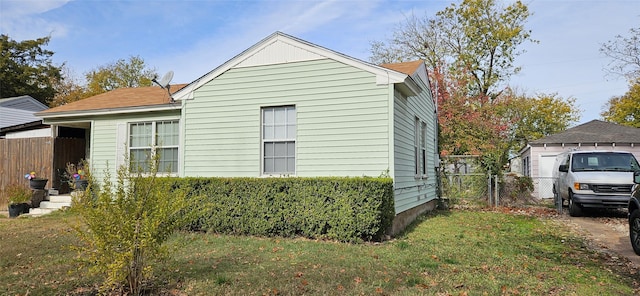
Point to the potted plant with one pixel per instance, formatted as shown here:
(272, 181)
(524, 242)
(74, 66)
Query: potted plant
(19, 199)
(75, 176)
(35, 182)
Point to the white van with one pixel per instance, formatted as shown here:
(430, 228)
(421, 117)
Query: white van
(594, 179)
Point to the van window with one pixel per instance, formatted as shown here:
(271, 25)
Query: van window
(604, 161)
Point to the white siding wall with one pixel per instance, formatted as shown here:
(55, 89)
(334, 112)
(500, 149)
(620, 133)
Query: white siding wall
(411, 191)
(342, 120)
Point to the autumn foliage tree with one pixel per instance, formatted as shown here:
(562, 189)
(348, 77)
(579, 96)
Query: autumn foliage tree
(470, 50)
(624, 109)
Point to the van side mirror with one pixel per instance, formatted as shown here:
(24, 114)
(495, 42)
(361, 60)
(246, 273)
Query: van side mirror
(563, 168)
(636, 177)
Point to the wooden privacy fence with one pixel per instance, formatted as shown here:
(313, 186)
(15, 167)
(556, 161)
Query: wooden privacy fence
(45, 156)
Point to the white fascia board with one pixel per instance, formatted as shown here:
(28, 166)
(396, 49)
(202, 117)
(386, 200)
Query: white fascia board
(128, 110)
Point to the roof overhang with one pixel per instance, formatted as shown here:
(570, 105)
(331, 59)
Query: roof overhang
(98, 112)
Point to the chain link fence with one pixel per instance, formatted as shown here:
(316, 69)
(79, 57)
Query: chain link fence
(483, 189)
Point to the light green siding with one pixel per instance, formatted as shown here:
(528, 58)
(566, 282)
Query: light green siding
(412, 190)
(342, 120)
(105, 153)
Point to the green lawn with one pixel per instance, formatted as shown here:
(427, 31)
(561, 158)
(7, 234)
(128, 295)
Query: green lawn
(444, 253)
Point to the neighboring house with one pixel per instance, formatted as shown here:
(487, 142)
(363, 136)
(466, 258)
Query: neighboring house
(283, 107)
(26, 144)
(17, 114)
(539, 155)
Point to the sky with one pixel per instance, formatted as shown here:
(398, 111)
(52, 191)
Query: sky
(193, 37)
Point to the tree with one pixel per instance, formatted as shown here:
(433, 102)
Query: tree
(26, 69)
(68, 89)
(625, 55)
(478, 38)
(541, 116)
(625, 109)
(122, 73)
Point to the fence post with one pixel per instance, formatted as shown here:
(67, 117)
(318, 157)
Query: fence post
(497, 192)
(489, 193)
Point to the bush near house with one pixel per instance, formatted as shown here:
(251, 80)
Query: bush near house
(344, 209)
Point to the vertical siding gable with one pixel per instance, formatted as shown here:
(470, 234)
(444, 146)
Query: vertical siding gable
(342, 120)
(278, 52)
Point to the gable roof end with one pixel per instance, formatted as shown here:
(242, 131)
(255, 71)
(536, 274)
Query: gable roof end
(301, 50)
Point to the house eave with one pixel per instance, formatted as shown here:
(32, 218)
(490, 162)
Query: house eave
(108, 111)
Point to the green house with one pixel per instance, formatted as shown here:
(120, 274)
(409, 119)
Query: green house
(283, 107)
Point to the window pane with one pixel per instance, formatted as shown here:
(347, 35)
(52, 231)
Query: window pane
(291, 132)
(280, 132)
(291, 164)
(139, 160)
(167, 133)
(267, 116)
(291, 115)
(168, 160)
(140, 135)
(280, 149)
(267, 133)
(268, 165)
(280, 115)
(291, 149)
(280, 164)
(268, 149)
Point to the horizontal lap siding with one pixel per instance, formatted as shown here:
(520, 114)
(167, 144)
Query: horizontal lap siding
(104, 136)
(410, 191)
(342, 120)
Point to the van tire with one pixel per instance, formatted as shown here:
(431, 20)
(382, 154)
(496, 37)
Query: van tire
(634, 230)
(575, 210)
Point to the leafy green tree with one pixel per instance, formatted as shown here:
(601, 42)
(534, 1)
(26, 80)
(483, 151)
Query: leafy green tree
(122, 73)
(26, 68)
(125, 225)
(541, 116)
(625, 109)
(477, 38)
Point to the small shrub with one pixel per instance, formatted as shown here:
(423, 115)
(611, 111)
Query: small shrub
(126, 224)
(18, 194)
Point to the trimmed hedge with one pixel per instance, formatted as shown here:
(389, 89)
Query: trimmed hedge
(344, 209)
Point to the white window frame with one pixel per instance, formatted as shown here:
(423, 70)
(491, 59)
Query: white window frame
(423, 149)
(287, 134)
(416, 147)
(155, 145)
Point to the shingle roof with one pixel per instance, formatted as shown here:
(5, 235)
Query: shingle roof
(595, 131)
(406, 67)
(119, 98)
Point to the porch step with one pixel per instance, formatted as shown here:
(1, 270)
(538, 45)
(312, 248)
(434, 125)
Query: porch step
(55, 203)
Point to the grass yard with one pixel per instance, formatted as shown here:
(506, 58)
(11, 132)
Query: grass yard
(459, 252)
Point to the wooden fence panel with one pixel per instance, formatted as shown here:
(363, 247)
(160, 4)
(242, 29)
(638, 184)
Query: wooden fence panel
(21, 156)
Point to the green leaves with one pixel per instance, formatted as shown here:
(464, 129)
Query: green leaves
(27, 69)
(344, 209)
(125, 225)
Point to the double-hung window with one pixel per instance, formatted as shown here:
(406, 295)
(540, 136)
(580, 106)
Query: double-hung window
(279, 140)
(149, 138)
(423, 148)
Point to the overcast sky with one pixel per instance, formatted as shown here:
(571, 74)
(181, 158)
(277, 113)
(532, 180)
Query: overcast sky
(193, 37)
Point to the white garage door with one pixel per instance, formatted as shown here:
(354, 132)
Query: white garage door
(544, 184)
